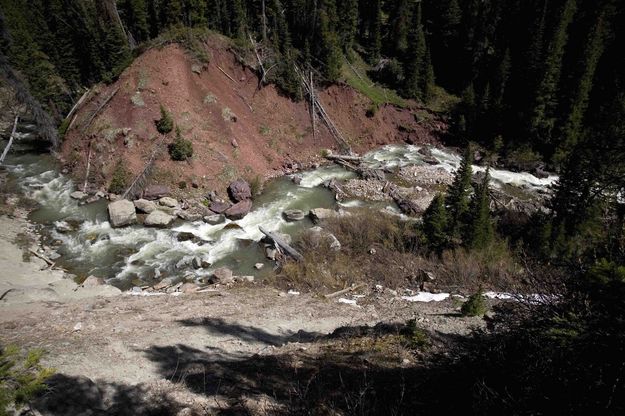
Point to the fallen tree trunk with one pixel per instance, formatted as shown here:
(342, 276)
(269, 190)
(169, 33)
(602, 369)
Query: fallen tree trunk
(95, 113)
(6, 149)
(282, 244)
(347, 158)
(342, 292)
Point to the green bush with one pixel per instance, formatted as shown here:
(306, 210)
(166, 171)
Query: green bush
(120, 178)
(165, 125)
(415, 336)
(475, 306)
(180, 149)
(21, 377)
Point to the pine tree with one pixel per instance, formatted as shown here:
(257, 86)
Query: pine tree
(329, 51)
(416, 58)
(543, 118)
(573, 125)
(348, 24)
(435, 224)
(458, 196)
(399, 22)
(481, 231)
(427, 77)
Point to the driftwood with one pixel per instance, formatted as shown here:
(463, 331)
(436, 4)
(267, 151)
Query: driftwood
(226, 74)
(341, 292)
(145, 173)
(345, 158)
(6, 149)
(84, 187)
(49, 262)
(282, 244)
(95, 113)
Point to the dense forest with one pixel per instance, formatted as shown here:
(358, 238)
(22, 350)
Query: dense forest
(536, 80)
(533, 76)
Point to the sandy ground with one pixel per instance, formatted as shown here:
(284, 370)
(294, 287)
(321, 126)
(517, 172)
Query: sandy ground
(152, 344)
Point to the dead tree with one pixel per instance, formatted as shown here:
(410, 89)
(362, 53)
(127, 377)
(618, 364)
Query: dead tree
(141, 179)
(6, 149)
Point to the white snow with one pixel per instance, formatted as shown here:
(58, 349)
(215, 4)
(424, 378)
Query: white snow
(426, 297)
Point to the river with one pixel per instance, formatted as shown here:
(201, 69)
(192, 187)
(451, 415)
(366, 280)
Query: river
(138, 256)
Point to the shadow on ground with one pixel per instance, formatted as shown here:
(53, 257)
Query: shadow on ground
(329, 381)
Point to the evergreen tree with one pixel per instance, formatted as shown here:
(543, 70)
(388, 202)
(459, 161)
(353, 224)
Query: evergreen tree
(481, 230)
(435, 224)
(417, 57)
(543, 118)
(329, 51)
(348, 24)
(399, 21)
(458, 201)
(427, 77)
(573, 125)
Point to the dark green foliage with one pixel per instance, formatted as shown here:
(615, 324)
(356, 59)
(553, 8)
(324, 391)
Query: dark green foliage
(120, 178)
(180, 149)
(21, 377)
(416, 65)
(475, 305)
(165, 124)
(435, 224)
(481, 230)
(458, 195)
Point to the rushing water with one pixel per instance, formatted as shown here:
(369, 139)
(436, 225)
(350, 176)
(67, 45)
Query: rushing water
(138, 255)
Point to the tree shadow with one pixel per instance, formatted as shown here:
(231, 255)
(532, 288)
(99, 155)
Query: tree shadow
(78, 396)
(299, 382)
(218, 326)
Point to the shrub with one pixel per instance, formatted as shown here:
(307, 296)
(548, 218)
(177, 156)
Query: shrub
(256, 185)
(21, 377)
(165, 125)
(415, 336)
(180, 149)
(120, 178)
(475, 306)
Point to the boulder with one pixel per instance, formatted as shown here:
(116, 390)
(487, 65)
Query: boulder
(196, 263)
(122, 213)
(145, 206)
(93, 281)
(63, 227)
(293, 215)
(152, 192)
(259, 266)
(425, 151)
(219, 207)
(222, 275)
(271, 253)
(214, 219)
(372, 174)
(189, 288)
(158, 219)
(189, 216)
(186, 236)
(239, 210)
(79, 195)
(168, 202)
(320, 236)
(239, 190)
(244, 279)
(318, 214)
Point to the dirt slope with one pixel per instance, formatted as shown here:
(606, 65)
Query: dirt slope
(236, 130)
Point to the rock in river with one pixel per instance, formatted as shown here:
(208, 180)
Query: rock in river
(158, 219)
(222, 275)
(78, 195)
(143, 205)
(293, 215)
(239, 210)
(168, 202)
(239, 190)
(122, 213)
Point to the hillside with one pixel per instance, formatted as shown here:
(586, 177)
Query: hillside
(236, 129)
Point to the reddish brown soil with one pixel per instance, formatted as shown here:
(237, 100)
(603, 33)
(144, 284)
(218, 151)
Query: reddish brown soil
(270, 130)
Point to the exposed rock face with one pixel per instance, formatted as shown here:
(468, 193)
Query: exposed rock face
(219, 207)
(168, 202)
(239, 190)
(145, 206)
(158, 219)
(155, 192)
(293, 215)
(79, 195)
(122, 213)
(222, 275)
(239, 210)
